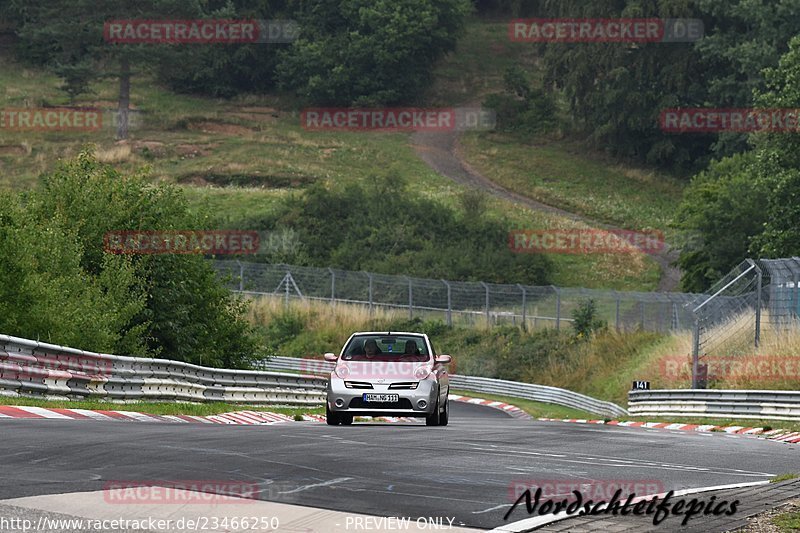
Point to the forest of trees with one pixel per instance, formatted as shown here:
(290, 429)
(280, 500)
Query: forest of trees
(373, 53)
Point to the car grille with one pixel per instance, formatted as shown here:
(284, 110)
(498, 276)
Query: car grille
(358, 403)
(407, 385)
(357, 385)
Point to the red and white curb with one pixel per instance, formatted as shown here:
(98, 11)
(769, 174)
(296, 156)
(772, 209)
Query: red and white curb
(238, 418)
(781, 435)
(513, 410)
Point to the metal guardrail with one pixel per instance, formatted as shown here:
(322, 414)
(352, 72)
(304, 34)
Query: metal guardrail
(31, 368)
(760, 404)
(528, 391)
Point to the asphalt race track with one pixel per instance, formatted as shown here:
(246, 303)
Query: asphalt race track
(462, 472)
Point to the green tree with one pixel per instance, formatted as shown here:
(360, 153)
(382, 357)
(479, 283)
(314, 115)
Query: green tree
(778, 158)
(369, 52)
(748, 204)
(45, 293)
(188, 315)
(725, 204)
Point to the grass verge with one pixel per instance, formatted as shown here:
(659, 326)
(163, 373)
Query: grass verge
(535, 409)
(159, 408)
(787, 522)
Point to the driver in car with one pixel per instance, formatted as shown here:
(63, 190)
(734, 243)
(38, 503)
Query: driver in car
(371, 348)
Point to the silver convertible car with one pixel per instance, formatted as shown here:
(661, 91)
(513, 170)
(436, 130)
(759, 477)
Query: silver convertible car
(388, 374)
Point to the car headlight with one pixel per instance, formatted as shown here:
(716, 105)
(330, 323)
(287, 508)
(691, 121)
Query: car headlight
(422, 372)
(342, 371)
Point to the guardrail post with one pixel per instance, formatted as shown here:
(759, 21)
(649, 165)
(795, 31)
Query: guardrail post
(558, 307)
(333, 286)
(449, 304)
(488, 319)
(524, 306)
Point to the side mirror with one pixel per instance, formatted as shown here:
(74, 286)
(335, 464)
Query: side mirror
(443, 359)
(330, 357)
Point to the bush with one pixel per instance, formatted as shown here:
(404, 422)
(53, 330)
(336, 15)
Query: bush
(521, 108)
(585, 321)
(385, 227)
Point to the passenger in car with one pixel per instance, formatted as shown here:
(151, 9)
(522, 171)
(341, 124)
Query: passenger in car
(411, 348)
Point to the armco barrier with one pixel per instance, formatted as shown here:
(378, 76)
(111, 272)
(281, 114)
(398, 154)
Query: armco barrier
(31, 368)
(528, 391)
(709, 403)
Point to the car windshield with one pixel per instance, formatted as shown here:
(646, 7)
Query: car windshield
(386, 348)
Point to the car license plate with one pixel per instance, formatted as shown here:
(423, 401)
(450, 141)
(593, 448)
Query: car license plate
(381, 397)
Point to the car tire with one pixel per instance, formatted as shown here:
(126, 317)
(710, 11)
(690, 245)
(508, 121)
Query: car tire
(433, 418)
(346, 419)
(444, 418)
(330, 417)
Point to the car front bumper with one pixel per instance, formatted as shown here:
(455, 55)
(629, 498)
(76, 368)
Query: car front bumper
(341, 399)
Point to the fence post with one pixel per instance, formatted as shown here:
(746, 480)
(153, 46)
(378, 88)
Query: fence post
(488, 319)
(758, 305)
(524, 306)
(333, 286)
(641, 318)
(286, 281)
(410, 299)
(796, 295)
(616, 319)
(675, 322)
(449, 305)
(695, 350)
(241, 275)
(369, 274)
(558, 307)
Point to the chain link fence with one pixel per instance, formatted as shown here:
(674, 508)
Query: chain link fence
(458, 301)
(756, 297)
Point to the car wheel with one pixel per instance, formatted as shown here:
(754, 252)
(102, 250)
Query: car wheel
(445, 416)
(433, 418)
(346, 419)
(330, 417)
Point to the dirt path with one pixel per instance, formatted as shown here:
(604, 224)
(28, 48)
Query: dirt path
(442, 152)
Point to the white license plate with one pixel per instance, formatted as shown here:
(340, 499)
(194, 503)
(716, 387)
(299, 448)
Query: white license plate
(381, 397)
